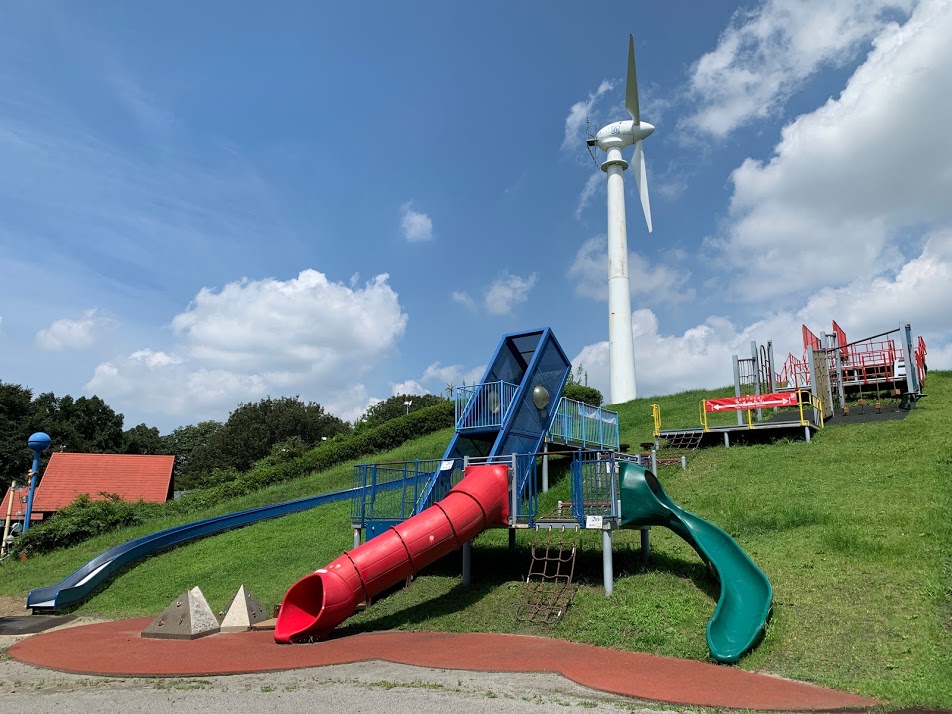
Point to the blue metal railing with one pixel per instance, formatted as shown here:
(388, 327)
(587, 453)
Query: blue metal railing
(483, 406)
(581, 424)
(396, 491)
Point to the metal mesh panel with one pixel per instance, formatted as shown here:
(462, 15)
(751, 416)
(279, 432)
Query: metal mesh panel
(595, 485)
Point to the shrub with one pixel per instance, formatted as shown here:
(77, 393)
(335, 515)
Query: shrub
(81, 520)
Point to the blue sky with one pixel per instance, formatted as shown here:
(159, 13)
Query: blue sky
(206, 204)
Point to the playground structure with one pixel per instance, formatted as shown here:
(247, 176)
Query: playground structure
(415, 512)
(800, 397)
(888, 364)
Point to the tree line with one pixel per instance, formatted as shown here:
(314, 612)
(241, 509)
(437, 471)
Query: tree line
(205, 453)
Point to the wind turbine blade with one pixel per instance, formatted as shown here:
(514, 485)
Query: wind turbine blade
(631, 90)
(641, 179)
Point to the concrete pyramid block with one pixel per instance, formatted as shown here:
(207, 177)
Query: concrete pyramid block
(187, 618)
(243, 611)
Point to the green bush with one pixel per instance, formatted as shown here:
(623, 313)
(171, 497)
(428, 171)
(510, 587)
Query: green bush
(583, 393)
(81, 520)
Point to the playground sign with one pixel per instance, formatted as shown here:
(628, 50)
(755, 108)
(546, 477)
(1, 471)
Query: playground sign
(752, 401)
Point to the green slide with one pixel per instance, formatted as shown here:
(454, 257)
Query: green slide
(746, 596)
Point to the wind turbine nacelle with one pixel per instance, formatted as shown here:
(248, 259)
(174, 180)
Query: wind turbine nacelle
(621, 134)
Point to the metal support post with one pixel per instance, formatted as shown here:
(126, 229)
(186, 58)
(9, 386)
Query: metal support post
(814, 385)
(513, 492)
(806, 433)
(908, 356)
(613, 471)
(607, 567)
(740, 417)
(654, 461)
(684, 463)
(38, 443)
(727, 438)
(468, 562)
(838, 365)
(545, 467)
(356, 537)
(645, 545)
(755, 359)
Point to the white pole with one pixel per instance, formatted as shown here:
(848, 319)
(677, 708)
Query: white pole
(621, 347)
(608, 572)
(6, 523)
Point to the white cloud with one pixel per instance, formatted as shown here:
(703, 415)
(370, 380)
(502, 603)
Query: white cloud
(306, 325)
(306, 336)
(410, 386)
(464, 299)
(80, 333)
(655, 284)
(153, 359)
(439, 375)
(851, 184)
(503, 294)
(917, 293)
(592, 185)
(437, 378)
(766, 54)
(174, 389)
(507, 291)
(580, 112)
(417, 226)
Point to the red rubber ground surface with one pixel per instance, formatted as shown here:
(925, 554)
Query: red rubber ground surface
(116, 649)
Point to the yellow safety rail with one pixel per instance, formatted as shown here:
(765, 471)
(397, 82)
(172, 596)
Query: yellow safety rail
(812, 402)
(656, 416)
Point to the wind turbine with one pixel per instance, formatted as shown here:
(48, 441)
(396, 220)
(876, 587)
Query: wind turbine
(612, 139)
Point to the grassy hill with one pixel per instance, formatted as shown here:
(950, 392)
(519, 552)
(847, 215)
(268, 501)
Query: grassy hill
(853, 531)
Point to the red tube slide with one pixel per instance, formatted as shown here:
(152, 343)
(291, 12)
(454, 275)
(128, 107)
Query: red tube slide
(319, 602)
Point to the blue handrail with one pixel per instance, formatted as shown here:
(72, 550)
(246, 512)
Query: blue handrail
(579, 423)
(483, 406)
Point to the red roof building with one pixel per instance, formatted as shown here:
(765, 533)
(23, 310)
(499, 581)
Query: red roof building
(132, 477)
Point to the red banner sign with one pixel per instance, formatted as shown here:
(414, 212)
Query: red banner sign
(753, 401)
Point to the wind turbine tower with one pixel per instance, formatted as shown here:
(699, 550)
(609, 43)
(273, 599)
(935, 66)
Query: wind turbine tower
(612, 139)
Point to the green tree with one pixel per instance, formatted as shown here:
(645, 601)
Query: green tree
(84, 425)
(183, 442)
(396, 407)
(252, 430)
(15, 412)
(576, 387)
(143, 439)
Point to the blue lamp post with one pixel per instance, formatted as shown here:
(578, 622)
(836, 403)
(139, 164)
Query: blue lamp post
(39, 442)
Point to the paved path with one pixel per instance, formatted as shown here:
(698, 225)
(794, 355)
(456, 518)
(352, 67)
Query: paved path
(116, 649)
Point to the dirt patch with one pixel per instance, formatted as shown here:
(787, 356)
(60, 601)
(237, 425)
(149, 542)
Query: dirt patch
(12, 606)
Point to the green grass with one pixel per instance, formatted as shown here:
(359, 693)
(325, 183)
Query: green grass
(853, 531)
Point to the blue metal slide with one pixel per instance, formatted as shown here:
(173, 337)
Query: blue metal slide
(77, 586)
